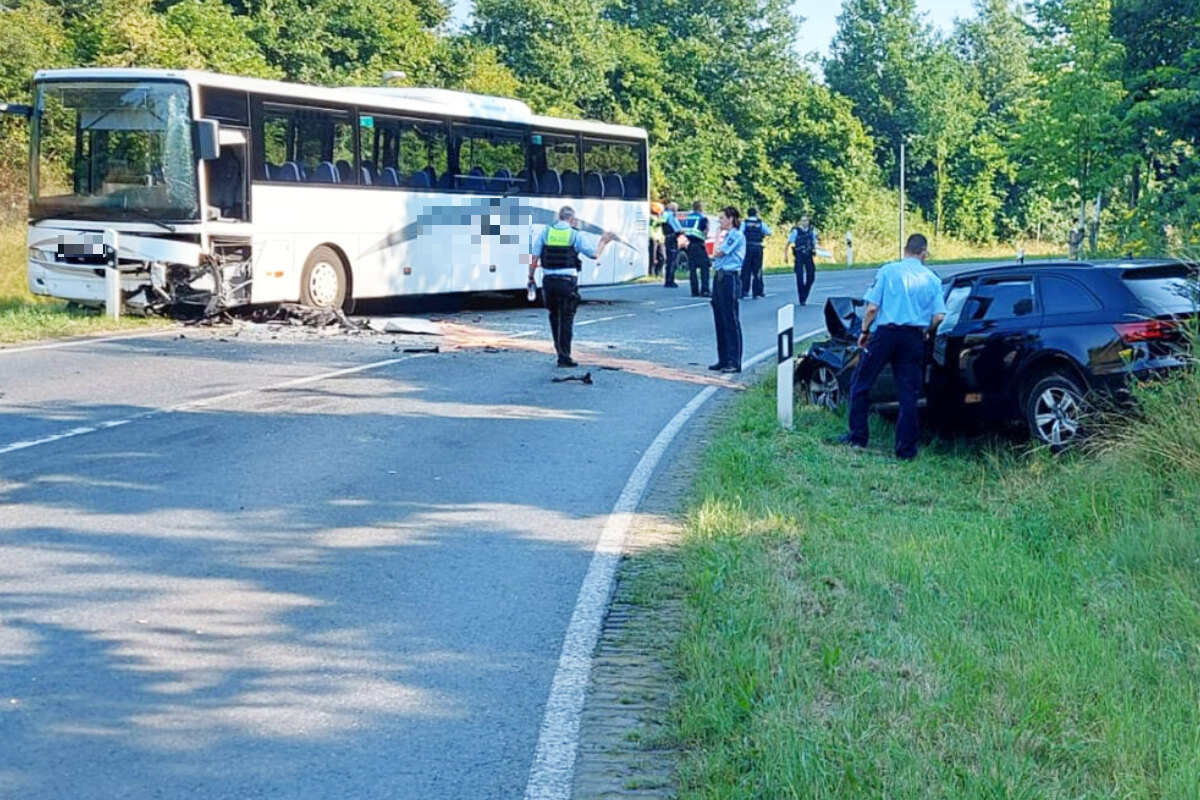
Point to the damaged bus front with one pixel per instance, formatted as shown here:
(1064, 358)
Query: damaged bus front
(127, 154)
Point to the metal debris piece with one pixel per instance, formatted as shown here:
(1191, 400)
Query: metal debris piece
(584, 378)
(295, 314)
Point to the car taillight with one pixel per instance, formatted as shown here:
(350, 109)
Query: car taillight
(1147, 330)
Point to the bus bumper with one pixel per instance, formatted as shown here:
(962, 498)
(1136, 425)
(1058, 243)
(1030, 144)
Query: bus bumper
(157, 275)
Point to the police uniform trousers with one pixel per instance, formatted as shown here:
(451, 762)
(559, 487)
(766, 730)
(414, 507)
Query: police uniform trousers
(669, 266)
(561, 295)
(806, 273)
(698, 266)
(726, 289)
(902, 346)
(752, 270)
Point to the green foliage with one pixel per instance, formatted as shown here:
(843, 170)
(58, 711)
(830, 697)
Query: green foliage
(1072, 132)
(981, 623)
(875, 61)
(1013, 122)
(32, 37)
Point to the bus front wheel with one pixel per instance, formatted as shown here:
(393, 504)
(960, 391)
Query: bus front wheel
(324, 283)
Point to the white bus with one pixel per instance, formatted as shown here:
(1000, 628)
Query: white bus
(228, 191)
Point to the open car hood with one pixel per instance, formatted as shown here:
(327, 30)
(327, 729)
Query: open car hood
(843, 317)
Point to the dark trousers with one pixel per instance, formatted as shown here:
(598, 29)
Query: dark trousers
(561, 293)
(726, 289)
(657, 256)
(752, 270)
(904, 348)
(698, 265)
(669, 267)
(806, 273)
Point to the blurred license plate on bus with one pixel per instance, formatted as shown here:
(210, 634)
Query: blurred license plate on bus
(87, 245)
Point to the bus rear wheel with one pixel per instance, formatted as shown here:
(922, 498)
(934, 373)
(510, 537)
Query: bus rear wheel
(325, 282)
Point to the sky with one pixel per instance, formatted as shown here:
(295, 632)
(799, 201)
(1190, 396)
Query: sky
(820, 19)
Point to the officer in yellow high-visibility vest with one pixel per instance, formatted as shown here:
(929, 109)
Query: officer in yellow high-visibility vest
(557, 252)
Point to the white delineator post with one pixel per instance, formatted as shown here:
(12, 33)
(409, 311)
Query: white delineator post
(785, 370)
(849, 251)
(112, 276)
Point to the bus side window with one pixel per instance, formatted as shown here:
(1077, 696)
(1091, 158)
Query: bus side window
(613, 169)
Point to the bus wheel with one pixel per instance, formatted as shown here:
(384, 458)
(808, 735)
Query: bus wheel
(324, 283)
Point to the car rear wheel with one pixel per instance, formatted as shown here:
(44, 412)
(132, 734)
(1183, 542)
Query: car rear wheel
(821, 388)
(324, 283)
(1055, 411)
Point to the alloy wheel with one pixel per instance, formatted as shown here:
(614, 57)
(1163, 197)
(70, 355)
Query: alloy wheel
(824, 389)
(1057, 415)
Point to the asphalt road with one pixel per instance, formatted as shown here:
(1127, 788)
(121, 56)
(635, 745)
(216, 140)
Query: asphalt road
(313, 567)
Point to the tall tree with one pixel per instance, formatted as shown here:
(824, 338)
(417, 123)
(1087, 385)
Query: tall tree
(986, 201)
(875, 61)
(1162, 47)
(561, 53)
(1073, 132)
(949, 109)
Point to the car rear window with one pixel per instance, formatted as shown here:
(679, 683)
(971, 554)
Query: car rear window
(1166, 290)
(1065, 296)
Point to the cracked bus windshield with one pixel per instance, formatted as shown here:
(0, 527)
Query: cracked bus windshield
(109, 151)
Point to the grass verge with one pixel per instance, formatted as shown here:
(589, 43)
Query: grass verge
(982, 622)
(24, 317)
(25, 321)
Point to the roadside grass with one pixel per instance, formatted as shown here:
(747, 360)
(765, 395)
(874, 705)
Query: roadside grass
(24, 317)
(986, 621)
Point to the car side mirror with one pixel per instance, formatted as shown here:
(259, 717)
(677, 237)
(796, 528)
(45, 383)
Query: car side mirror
(208, 139)
(1023, 306)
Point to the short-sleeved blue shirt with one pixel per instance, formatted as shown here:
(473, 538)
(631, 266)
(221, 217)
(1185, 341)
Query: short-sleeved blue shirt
(733, 246)
(907, 293)
(579, 241)
(811, 230)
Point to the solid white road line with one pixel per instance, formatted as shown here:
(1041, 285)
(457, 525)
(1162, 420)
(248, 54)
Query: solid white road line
(558, 741)
(78, 342)
(195, 404)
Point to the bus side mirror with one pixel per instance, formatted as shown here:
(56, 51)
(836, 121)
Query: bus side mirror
(208, 139)
(17, 110)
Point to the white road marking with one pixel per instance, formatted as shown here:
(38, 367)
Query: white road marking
(78, 342)
(558, 741)
(602, 319)
(676, 308)
(194, 404)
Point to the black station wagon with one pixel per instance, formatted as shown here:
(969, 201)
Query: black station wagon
(1036, 343)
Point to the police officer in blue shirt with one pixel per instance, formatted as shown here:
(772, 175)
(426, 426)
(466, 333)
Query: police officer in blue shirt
(557, 251)
(672, 229)
(903, 304)
(727, 270)
(755, 230)
(696, 228)
(803, 240)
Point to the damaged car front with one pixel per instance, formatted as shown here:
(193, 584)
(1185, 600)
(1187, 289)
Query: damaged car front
(824, 373)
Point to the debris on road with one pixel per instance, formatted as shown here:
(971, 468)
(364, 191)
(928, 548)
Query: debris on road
(584, 378)
(415, 325)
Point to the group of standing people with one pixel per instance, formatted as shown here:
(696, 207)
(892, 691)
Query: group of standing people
(904, 303)
(736, 268)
